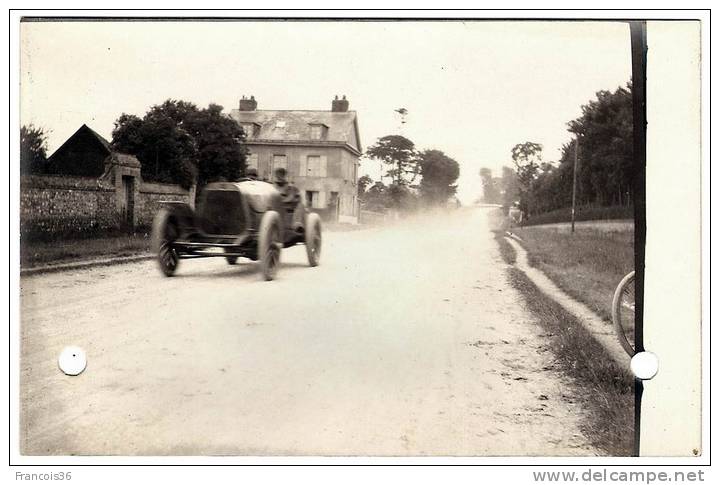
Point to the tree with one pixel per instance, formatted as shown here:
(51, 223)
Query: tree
(401, 197)
(527, 158)
(178, 143)
(509, 187)
(605, 167)
(605, 133)
(376, 197)
(363, 183)
(491, 187)
(400, 155)
(166, 151)
(439, 174)
(33, 149)
(220, 144)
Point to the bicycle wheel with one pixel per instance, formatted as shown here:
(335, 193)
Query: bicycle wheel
(623, 313)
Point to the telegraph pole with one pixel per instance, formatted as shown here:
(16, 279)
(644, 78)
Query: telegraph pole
(572, 214)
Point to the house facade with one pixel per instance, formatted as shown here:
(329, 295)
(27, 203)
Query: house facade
(319, 149)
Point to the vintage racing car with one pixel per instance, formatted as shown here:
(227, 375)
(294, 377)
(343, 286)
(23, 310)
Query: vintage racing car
(250, 219)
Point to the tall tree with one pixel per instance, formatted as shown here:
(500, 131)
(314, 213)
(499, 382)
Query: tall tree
(167, 152)
(178, 143)
(439, 174)
(400, 155)
(33, 149)
(220, 144)
(491, 190)
(509, 187)
(605, 133)
(527, 158)
(605, 165)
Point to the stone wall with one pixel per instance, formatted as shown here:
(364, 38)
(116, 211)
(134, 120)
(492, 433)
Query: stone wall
(151, 194)
(53, 207)
(63, 206)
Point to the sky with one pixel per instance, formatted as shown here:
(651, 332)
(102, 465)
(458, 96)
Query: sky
(471, 89)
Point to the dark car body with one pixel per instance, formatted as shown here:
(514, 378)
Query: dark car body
(248, 219)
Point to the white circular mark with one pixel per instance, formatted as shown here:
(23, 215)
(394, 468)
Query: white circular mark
(644, 365)
(72, 360)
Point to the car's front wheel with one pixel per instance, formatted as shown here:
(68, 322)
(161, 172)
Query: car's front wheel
(269, 244)
(165, 231)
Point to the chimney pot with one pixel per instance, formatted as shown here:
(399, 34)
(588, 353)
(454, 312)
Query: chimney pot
(248, 104)
(340, 105)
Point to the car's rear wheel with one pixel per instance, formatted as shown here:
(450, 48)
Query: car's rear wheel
(269, 244)
(165, 232)
(313, 238)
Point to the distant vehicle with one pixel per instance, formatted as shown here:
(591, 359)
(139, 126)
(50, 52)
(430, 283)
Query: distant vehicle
(248, 219)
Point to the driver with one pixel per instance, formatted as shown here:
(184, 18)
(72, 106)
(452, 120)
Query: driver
(290, 194)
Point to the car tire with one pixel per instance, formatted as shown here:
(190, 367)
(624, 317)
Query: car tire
(313, 238)
(164, 232)
(269, 244)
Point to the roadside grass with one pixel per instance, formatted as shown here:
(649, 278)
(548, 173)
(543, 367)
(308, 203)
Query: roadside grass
(36, 253)
(607, 389)
(587, 265)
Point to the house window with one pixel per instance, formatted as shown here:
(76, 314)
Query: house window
(252, 161)
(312, 199)
(316, 166)
(250, 129)
(278, 162)
(317, 132)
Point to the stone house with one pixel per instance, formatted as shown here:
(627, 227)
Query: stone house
(319, 149)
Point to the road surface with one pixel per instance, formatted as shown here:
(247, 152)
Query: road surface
(406, 340)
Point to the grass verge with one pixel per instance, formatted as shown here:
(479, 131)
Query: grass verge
(34, 253)
(588, 265)
(607, 389)
(37, 253)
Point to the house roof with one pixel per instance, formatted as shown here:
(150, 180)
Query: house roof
(117, 157)
(84, 129)
(102, 140)
(293, 126)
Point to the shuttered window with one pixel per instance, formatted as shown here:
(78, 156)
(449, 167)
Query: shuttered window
(316, 166)
(278, 162)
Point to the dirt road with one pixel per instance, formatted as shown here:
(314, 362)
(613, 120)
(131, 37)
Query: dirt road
(406, 340)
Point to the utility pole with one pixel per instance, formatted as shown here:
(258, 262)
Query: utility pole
(572, 214)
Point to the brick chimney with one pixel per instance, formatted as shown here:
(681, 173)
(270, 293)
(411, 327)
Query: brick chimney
(340, 105)
(248, 104)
